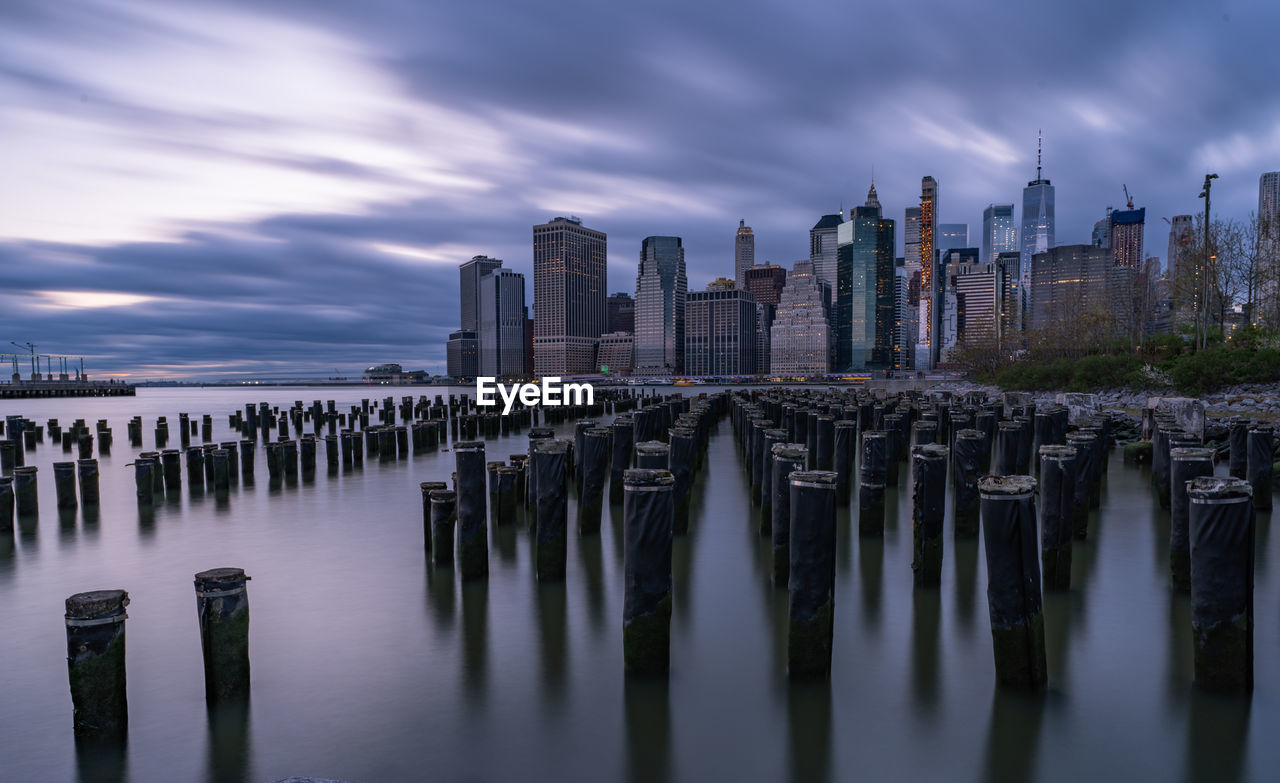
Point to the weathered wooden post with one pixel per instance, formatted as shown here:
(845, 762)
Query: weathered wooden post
(1238, 438)
(222, 608)
(1260, 465)
(966, 469)
(1057, 514)
(171, 467)
(683, 444)
(787, 459)
(508, 495)
(87, 472)
(845, 442)
(24, 490)
(652, 455)
(1013, 580)
(871, 480)
(812, 578)
(593, 462)
(473, 538)
(444, 515)
(1008, 433)
(929, 487)
(623, 443)
(221, 476)
(647, 512)
(96, 663)
(64, 483)
(826, 442)
(6, 505)
(1185, 464)
(1222, 542)
(551, 540)
(1083, 443)
(427, 487)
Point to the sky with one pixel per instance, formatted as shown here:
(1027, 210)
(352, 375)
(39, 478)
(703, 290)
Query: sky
(286, 187)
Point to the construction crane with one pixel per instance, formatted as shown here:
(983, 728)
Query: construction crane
(1127, 197)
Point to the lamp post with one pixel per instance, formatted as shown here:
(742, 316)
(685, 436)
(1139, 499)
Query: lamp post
(1202, 317)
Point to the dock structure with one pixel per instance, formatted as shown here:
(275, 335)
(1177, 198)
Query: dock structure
(29, 390)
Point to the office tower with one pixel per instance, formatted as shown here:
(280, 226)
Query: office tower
(1037, 218)
(911, 237)
(1127, 226)
(999, 232)
(1070, 281)
(822, 247)
(1269, 248)
(928, 248)
(1181, 240)
(863, 314)
(720, 331)
(951, 235)
(800, 340)
(765, 282)
(469, 275)
(744, 252)
(976, 289)
(502, 317)
(1102, 231)
(461, 355)
(1012, 304)
(616, 354)
(569, 284)
(947, 304)
(528, 345)
(906, 313)
(622, 313)
(661, 288)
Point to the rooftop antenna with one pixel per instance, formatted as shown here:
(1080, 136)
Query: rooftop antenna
(1039, 141)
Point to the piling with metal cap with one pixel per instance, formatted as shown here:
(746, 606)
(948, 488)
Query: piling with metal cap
(1057, 514)
(222, 608)
(473, 538)
(929, 505)
(788, 458)
(444, 516)
(1083, 443)
(826, 442)
(811, 585)
(87, 474)
(895, 447)
(1013, 580)
(966, 469)
(1222, 562)
(594, 462)
(531, 470)
(64, 484)
(652, 455)
(1260, 467)
(623, 443)
(647, 512)
(872, 476)
(771, 438)
(96, 663)
(1185, 464)
(1008, 434)
(1238, 438)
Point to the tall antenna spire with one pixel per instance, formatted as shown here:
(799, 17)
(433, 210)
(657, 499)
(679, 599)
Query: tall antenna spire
(1039, 140)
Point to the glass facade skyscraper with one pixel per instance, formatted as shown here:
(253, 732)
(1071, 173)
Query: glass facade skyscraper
(863, 317)
(661, 289)
(744, 252)
(822, 248)
(569, 292)
(1037, 219)
(502, 317)
(999, 232)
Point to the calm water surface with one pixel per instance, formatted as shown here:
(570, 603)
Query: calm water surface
(369, 666)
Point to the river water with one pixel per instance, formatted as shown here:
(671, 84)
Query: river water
(369, 666)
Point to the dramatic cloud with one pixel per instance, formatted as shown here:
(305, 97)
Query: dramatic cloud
(286, 187)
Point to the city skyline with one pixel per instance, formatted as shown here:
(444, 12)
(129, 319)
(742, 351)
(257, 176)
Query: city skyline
(296, 190)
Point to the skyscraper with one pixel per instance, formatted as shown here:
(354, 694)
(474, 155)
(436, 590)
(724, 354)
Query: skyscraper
(1269, 248)
(1102, 231)
(951, 235)
(977, 304)
(906, 313)
(622, 313)
(661, 288)
(461, 355)
(863, 317)
(1127, 226)
(744, 252)
(999, 232)
(822, 248)
(502, 317)
(1037, 218)
(800, 340)
(469, 274)
(1012, 304)
(765, 282)
(720, 332)
(1181, 239)
(925, 356)
(569, 284)
(1070, 280)
(911, 237)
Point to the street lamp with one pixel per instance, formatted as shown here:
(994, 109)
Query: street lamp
(1202, 317)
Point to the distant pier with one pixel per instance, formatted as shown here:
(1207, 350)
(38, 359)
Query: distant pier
(27, 390)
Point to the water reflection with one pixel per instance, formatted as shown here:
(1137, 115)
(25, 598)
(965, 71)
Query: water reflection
(228, 746)
(681, 578)
(475, 635)
(590, 551)
(440, 594)
(553, 640)
(647, 717)
(966, 582)
(66, 526)
(809, 731)
(871, 566)
(146, 521)
(1013, 736)
(101, 761)
(504, 543)
(926, 612)
(7, 550)
(1217, 730)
